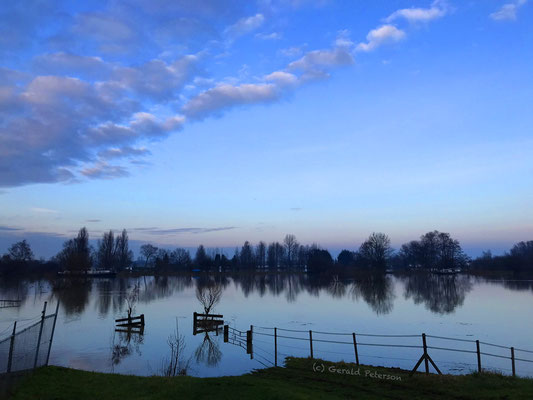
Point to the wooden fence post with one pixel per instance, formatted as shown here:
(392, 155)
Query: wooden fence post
(142, 319)
(226, 333)
(52, 335)
(11, 346)
(355, 349)
(512, 360)
(39, 338)
(311, 342)
(194, 318)
(249, 344)
(478, 356)
(426, 364)
(276, 347)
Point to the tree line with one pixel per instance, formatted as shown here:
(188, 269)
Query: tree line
(433, 251)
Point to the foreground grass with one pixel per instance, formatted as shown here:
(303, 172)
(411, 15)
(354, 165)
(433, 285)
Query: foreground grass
(297, 381)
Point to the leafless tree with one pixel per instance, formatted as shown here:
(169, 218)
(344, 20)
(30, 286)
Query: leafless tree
(209, 296)
(176, 366)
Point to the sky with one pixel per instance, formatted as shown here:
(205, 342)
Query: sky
(216, 122)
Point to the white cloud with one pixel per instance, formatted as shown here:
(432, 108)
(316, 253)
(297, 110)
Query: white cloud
(103, 170)
(382, 35)
(312, 60)
(225, 96)
(268, 36)
(438, 9)
(508, 11)
(125, 151)
(282, 78)
(245, 25)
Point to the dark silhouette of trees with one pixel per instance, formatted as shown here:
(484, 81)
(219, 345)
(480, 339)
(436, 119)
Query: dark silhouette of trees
(319, 261)
(123, 255)
(180, 258)
(434, 250)
(291, 250)
(247, 259)
(346, 258)
(260, 254)
(375, 252)
(20, 252)
(275, 255)
(76, 253)
(201, 258)
(105, 254)
(148, 251)
(522, 255)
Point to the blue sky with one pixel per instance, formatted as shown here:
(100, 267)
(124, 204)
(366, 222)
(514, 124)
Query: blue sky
(217, 122)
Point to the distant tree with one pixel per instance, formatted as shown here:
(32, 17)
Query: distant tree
(291, 250)
(181, 258)
(124, 256)
(434, 250)
(105, 254)
(20, 252)
(376, 251)
(76, 253)
(275, 255)
(319, 261)
(522, 255)
(201, 259)
(148, 251)
(260, 254)
(247, 256)
(346, 258)
(303, 255)
(162, 260)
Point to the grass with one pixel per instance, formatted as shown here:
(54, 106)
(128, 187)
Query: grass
(297, 380)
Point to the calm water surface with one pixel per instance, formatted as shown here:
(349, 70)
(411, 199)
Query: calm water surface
(453, 306)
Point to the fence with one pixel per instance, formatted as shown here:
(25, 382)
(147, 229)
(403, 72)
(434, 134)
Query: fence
(424, 343)
(30, 347)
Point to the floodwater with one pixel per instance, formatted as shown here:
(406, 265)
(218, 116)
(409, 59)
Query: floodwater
(457, 307)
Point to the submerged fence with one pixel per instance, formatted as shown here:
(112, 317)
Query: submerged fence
(29, 347)
(423, 346)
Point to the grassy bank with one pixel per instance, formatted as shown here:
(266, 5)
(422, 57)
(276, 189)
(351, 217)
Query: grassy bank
(301, 379)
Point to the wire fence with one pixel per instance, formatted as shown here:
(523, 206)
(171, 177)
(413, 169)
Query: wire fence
(29, 347)
(487, 356)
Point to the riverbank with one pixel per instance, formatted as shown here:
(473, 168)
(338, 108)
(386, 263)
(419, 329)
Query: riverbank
(302, 378)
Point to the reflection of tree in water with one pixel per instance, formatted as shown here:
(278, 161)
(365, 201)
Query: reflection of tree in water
(440, 293)
(377, 290)
(336, 288)
(73, 294)
(208, 352)
(128, 342)
(14, 289)
(175, 365)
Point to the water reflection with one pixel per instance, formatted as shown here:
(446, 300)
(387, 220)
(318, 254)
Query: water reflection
(376, 290)
(441, 294)
(125, 342)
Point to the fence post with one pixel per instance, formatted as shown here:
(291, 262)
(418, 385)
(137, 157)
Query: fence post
(512, 360)
(275, 347)
(226, 333)
(52, 335)
(478, 356)
(11, 346)
(40, 334)
(249, 344)
(252, 331)
(142, 319)
(311, 342)
(426, 364)
(355, 349)
(194, 317)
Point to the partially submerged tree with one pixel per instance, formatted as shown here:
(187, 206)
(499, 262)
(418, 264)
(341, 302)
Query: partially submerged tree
(209, 296)
(148, 251)
(20, 252)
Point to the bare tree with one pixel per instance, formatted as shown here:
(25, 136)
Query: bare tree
(209, 296)
(105, 254)
(148, 251)
(291, 248)
(124, 256)
(21, 251)
(131, 299)
(260, 254)
(376, 251)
